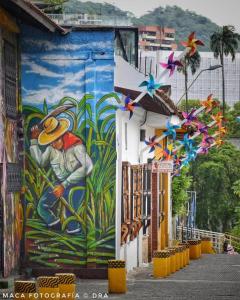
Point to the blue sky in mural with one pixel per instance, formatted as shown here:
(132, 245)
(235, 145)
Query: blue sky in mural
(54, 66)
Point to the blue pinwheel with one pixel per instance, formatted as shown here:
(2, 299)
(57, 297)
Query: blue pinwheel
(129, 106)
(192, 153)
(189, 117)
(171, 64)
(238, 119)
(151, 85)
(171, 130)
(187, 142)
(152, 143)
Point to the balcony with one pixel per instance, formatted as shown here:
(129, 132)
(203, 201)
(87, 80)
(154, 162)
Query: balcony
(86, 19)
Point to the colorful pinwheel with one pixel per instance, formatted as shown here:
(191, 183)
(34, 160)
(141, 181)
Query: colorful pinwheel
(189, 117)
(207, 141)
(171, 64)
(219, 142)
(151, 85)
(151, 143)
(187, 142)
(160, 153)
(209, 103)
(218, 118)
(168, 152)
(221, 130)
(203, 150)
(192, 153)
(129, 106)
(171, 130)
(192, 43)
(202, 128)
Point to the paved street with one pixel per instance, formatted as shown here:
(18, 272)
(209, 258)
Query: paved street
(211, 277)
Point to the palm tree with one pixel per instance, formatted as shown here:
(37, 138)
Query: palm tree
(192, 62)
(224, 42)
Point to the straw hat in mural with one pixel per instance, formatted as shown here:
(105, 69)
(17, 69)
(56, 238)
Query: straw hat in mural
(53, 129)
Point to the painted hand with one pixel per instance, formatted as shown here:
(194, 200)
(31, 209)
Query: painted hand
(58, 190)
(35, 131)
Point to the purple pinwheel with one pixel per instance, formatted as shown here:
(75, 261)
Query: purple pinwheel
(171, 64)
(207, 141)
(129, 106)
(151, 143)
(203, 129)
(203, 149)
(189, 117)
(151, 85)
(171, 130)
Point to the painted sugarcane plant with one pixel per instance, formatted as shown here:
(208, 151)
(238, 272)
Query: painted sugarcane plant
(84, 233)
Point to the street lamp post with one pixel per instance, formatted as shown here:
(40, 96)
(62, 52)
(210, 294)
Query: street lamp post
(211, 68)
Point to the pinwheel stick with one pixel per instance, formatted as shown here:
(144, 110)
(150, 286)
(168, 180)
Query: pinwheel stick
(140, 97)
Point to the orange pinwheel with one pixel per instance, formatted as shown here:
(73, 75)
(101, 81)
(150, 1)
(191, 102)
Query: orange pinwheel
(221, 131)
(192, 43)
(218, 118)
(209, 103)
(219, 142)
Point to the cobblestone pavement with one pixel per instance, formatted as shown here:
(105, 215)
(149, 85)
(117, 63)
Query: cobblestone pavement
(213, 277)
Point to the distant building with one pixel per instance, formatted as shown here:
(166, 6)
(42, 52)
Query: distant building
(153, 38)
(207, 83)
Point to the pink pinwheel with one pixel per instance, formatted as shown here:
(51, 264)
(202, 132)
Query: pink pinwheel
(171, 64)
(202, 129)
(151, 143)
(189, 117)
(129, 106)
(192, 43)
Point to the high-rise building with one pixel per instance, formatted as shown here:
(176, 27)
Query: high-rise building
(209, 82)
(153, 38)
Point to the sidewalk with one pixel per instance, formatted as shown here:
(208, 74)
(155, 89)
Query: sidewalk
(213, 277)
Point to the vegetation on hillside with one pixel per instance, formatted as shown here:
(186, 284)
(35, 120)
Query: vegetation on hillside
(183, 21)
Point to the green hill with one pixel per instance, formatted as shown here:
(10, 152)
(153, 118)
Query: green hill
(184, 21)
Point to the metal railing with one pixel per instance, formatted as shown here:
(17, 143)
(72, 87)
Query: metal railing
(87, 19)
(217, 238)
(233, 240)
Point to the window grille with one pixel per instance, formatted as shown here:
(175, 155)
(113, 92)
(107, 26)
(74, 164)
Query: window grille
(10, 79)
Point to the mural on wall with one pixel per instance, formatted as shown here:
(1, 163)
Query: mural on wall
(70, 155)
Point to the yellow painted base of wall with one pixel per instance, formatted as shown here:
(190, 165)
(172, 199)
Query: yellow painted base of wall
(117, 282)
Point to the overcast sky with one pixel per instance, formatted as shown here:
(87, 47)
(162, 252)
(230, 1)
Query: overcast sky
(222, 12)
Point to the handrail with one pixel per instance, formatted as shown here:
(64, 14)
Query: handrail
(216, 237)
(233, 240)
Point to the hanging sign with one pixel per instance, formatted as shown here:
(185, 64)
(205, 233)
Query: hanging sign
(165, 166)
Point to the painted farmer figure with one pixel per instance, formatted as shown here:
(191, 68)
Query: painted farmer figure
(67, 156)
